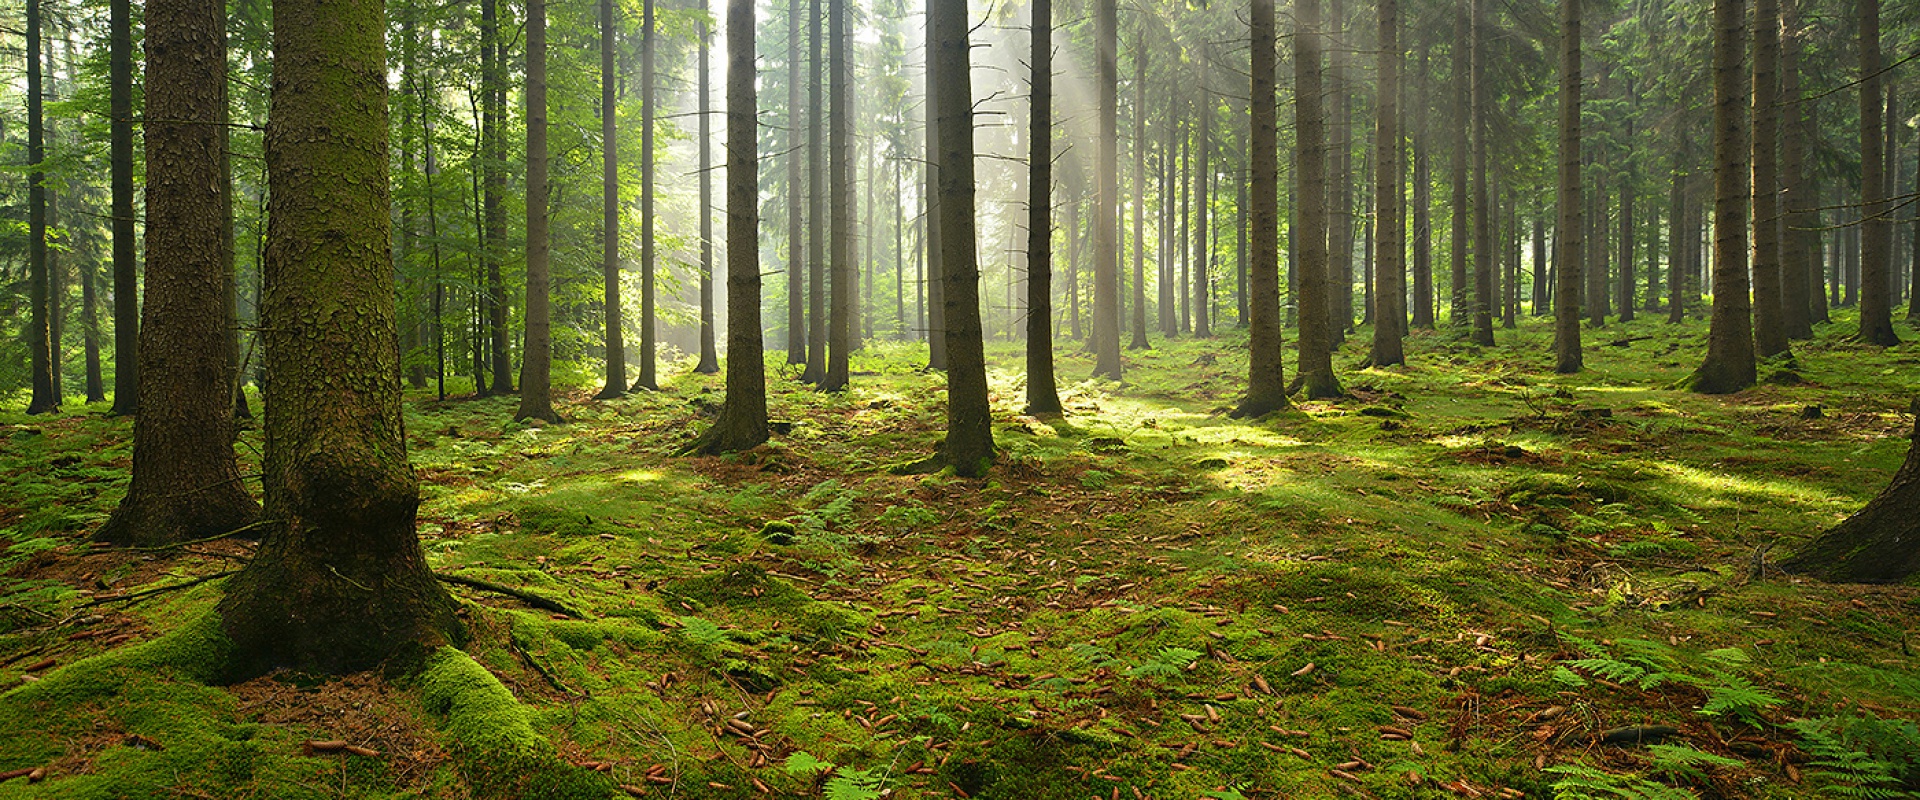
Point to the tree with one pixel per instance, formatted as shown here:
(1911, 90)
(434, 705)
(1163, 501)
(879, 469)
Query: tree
(1483, 291)
(1769, 328)
(1422, 205)
(709, 360)
(1202, 287)
(1729, 366)
(1139, 339)
(1462, 149)
(796, 230)
(1876, 225)
(340, 582)
(1106, 250)
(1043, 397)
(1798, 246)
(536, 366)
(1266, 381)
(1316, 336)
(493, 180)
(840, 204)
(40, 338)
(1878, 544)
(1567, 234)
(742, 423)
(610, 210)
(126, 290)
(816, 370)
(649, 97)
(1389, 318)
(969, 445)
(186, 482)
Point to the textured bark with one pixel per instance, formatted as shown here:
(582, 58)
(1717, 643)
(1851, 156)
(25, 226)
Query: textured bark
(1729, 366)
(1266, 381)
(1389, 317)
(126, 290)
(1139, 340)
(649, 379)
(840, 204)
(1876, 228)
(1043, 396)
(1422, 206)
(1461, 210)
(1596, 299)
(709, 358)
(340, 582)
(90, 333)
(186, 482)
(1202, 169)
(817, 215)
(1484, 295)
(616, 384)
(742, 424)
(1106, 250)
(40, 339)
(796, 228)
(1769, 326)
(1878, 544)
(935, 285)
(1240, 254)
(536, 366)
(1542, 290)
(969, 444)
(1310, 141)
(493, 193)
(1626, 240)
(1677, 238)
(1568, 229)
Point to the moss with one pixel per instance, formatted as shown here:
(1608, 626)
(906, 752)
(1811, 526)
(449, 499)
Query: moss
(740, 585)
(489, 732)
(556, 520)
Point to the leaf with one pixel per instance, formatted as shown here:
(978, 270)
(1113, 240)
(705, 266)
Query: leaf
(803, 763)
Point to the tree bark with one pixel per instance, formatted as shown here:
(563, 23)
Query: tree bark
(1462, 149)
(796, 220)
(1389, 318)
(536, 365)
(610, 211)
(742, 424)
(1202, 169)
(1568, 229)
(1878, 544)
(1043, 396)
(649, 247)
(1316, 336)
(969, 444)
(340, 582)
(1106, 250)
(1422, 205)
(1769, 325)
(709, 358)
(126, 289)
(494, 190)
(1483, 248)
(839, 205)
(817, 214)
(186, 482)
(1729, 366)
(1876, 228)
(1139, 340)
(40, 339)
(1266, 379)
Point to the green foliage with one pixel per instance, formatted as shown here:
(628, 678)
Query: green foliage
(1580, 782)
(1167, 662)
(1863, 757)
(499, 752)
(1680, 762)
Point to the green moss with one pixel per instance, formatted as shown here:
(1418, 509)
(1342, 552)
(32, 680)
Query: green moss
(489, 732)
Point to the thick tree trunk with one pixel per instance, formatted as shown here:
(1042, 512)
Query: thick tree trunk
(40, 339)
(1677, 242)
(969, 444)
(1043, 397)
(1316, 335)
(1462, 303)
(1422, 205)
(1729, 366)
(936, 330)
(840, 204)
(1568, 229)
(186, 482)
(1139, 339)
(126, 289)
(494, 190)
(1266, 381)
(1769, 325)
(1627, 235)
(1876, 229)
(1240, 253)
(820, 220)
(709, 358)
(1389, 318)
(1878, 544)
(1484, 295)
(1798, 243)
(1202, 169)
(649, 379)
(536, 365)
(340, 583)
(796, 219)
(742, 424)
(1106, 250)
(1596, 298)
(610, 210)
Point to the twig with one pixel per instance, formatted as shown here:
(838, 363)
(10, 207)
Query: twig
(524, 596)
(157, 590)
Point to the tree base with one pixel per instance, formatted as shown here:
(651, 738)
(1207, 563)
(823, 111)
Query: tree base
(1880, 543)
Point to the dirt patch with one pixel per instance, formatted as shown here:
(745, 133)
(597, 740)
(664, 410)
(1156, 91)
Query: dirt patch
(362, 710)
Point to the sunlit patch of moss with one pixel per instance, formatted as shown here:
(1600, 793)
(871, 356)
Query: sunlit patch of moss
(488, 731)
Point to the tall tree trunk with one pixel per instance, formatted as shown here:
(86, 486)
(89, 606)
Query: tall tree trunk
(969, 444)
(1729, 366)
(742, 424)
(126, 289)
(186, 482)
(1769, 326)
(494, 182)
(819, 219)
(1106, 250)
(1266, 381)
(1462, 150)
(1627, 236)
(90, 333)
(1816, 263)
(1043, 397)
(536, 365)
(1139, 340)
(936, 243)
(1541, 291)
(709, 359)
(340, 582)
(1678, 235)
(40, 339)
(796, 219)
(840, 204)
(1483, 249)
(649, 246)
(1570, 225)
(1389, 318)
(1876, 229)
(1240, 255)
(1316, 335)
(1422, 205)
(1596, 249)
(1202, 169)
(1340, 235)
(610, 209)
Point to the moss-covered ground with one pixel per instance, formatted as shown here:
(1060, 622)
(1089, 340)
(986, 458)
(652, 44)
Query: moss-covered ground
(1455, 582)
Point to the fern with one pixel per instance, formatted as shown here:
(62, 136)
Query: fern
(1682, 762)
(853, 784)
(701, 633)
(804, 763)
(1579, 782)
(1735, 696)
(1868, 757)
(1168, 662)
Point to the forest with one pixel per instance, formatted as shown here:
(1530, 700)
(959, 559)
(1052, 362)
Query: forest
(861, 399)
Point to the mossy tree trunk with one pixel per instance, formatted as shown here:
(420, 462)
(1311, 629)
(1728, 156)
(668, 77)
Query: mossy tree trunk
(536, 364)
(1568, 229)
(1878, 544)
(1043, 397)
(743, 415)
(1266, 381)
(186, 482)
(969, 446)
(340, 582)
(1729, 366)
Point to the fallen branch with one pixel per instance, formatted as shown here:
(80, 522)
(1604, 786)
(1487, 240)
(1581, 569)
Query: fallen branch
(527, 597)
(157, 590)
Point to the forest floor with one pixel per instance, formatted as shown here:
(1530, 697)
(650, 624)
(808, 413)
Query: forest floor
(1470, 578)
